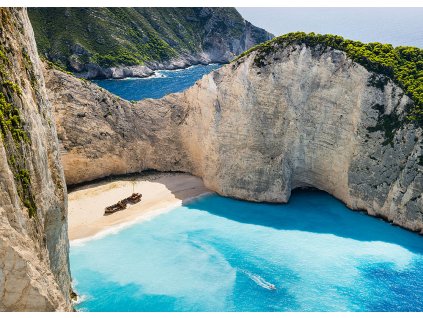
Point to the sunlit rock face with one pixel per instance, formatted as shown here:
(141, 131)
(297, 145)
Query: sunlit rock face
(300, 117)
(34, 248)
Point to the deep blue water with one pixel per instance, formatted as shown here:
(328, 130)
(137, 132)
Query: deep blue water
(158, 85)
(220, 254)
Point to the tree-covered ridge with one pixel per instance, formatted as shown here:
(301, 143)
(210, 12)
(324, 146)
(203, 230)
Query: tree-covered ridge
(402, 64)
(132, 36)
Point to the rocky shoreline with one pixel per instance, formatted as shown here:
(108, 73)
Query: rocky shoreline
(152, 39)
(94, 71)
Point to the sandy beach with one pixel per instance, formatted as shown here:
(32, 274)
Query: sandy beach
(160, 192)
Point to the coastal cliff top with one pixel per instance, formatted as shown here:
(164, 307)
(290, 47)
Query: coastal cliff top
(402, 64)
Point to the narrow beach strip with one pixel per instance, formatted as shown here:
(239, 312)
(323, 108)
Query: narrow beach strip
(161, 192)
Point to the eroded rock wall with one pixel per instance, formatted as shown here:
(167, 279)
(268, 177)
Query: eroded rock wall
(103, 135)
(34, 266)
(299, 117)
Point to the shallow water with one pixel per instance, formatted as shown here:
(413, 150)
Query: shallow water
(220, 254)
(158, 85)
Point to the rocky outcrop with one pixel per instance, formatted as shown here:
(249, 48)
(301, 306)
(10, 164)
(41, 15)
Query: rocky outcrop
(256, 129)
(34, 267)
(133, 42)
(103, 135)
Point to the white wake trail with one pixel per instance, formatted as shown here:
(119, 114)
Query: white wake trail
(259, 280)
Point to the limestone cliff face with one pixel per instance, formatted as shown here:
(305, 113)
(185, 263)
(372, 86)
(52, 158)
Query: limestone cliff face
(34, 267)
(101, 134)
(301, 118)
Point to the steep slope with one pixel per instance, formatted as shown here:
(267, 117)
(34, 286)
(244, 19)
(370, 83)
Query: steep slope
(34, 267)
(119, 42)
(286, 116)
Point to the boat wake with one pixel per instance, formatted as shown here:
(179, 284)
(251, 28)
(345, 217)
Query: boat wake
(259, 280)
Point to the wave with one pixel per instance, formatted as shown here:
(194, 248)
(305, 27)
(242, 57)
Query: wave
(156, 74)
(126, 79)
(260, 281)
(80, 299)
(187, 68)
(148, 215)
(119, 227)
(184, 68)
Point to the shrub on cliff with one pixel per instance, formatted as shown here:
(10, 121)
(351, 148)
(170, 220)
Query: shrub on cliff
(402, 64)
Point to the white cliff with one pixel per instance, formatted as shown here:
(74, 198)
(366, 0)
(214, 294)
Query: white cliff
(301, 117)
(34, 267)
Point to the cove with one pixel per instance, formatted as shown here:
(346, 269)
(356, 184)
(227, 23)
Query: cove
(221, 254)
(158, 85)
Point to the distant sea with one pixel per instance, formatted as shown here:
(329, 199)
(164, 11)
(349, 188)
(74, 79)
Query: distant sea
(398, 26)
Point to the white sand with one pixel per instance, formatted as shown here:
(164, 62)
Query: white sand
(160, 192)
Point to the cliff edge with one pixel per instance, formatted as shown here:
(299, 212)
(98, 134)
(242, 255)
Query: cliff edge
(34, 266)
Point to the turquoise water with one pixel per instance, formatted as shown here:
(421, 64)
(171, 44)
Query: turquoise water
(220, 254)
(157, 86)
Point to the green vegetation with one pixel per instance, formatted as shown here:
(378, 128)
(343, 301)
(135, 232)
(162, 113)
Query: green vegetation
(3, 61)
(29, 68)
(120, 57)
(10, 121)
(23, 178)
(388, 124)
(12, 128)
(73, 37)
(55, 66)
(403, 64)
(13, 86)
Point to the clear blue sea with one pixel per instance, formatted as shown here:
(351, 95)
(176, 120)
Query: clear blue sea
(220, 254)
(158, 85)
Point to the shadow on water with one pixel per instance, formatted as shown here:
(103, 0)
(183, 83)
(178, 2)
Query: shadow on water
(312, 211)
(308, 210)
